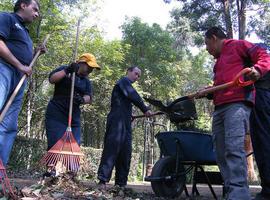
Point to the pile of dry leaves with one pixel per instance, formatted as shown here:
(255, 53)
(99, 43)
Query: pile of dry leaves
(66, 187)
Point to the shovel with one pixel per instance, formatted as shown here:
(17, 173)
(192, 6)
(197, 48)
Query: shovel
(201, 93)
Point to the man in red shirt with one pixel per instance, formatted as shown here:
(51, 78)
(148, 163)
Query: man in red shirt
(233, 106)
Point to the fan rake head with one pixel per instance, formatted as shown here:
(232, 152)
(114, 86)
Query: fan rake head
(65, 151)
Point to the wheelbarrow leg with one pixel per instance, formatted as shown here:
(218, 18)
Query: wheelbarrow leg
(187, 170)
(194, 185)
(208, 182)
(186, 190)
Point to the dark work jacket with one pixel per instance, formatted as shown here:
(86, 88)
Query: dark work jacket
(263, 82)
(123, 96)
(58, 107)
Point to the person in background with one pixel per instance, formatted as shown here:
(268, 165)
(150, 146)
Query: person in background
(233, 106)
(260, 129)
(16, 54)
(118, 137)
(56, 120)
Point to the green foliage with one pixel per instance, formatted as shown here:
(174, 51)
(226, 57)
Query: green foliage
(26, 153)
(150, 44)
(139, 172)
(151, 49)
(6, 5)
(263, 29)
(194, 17)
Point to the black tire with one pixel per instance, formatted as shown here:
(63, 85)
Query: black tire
(167, 188)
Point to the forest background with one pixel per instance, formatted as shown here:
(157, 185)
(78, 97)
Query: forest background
(170, 67)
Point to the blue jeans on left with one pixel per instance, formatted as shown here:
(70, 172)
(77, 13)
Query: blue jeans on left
(9, 78)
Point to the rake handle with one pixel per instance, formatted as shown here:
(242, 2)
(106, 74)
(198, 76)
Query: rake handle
(73, 77)
(16, 90)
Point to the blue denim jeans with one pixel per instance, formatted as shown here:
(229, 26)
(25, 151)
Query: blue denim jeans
(230, 124)
(9, 78)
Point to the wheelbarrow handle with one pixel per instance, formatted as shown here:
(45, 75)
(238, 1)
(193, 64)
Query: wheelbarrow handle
(235, 82)
(142, 116)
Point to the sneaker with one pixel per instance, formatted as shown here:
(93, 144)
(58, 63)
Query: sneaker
(260, 196)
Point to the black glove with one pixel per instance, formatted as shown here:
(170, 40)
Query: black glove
(209, 96)
(78, 99)
(73, 67)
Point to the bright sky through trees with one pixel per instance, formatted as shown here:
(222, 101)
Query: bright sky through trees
(150, 11)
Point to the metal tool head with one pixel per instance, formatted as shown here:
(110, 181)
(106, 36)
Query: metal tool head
(156, 103)
(180, 110)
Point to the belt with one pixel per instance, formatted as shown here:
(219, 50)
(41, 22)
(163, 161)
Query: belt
(246, 103)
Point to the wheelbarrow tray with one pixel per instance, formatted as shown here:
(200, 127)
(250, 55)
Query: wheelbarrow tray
(190, 146)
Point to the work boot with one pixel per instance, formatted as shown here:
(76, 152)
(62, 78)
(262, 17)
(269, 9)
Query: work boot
(120, 186)
(101, 185)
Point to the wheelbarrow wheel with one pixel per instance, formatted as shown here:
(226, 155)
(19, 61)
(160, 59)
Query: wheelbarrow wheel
(171, 187)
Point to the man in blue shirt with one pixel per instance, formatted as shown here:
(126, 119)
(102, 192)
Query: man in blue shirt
(16, 53)
(118, 138)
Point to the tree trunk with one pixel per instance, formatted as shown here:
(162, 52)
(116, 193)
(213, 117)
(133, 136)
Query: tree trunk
(29, 106)
(228, 20)
(241, 8)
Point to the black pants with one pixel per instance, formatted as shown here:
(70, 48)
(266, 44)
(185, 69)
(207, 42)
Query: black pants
(260, 136)
(116, 152)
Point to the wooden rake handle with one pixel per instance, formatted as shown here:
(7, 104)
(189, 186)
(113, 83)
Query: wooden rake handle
(73, 77)
(3, 113)
(237, 81)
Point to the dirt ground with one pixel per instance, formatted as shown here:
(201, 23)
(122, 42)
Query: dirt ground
(144, 189)
(205, 193)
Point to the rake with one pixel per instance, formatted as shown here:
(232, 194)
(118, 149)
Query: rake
(66, 151)
(4, 181)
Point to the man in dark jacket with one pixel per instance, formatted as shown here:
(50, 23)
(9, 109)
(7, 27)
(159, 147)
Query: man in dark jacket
(233, 106)
(118, 138)
(260, 130)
